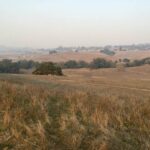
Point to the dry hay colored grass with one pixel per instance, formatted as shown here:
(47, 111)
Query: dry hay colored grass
(68, 118)
(81, 55)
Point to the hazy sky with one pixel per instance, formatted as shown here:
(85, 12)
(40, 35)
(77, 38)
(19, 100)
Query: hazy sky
(51, 23)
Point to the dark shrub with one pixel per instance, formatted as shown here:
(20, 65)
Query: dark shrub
(7, 66)
(126, 60)
(108, 52)
(48, 68)
(101, 63)
(71, 64)
(25, 64)
(82, 64)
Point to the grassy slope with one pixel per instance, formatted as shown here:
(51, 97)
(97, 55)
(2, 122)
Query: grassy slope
(95, 110)
(86, 56)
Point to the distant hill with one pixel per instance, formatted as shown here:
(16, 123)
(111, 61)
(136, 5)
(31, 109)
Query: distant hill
(76, 53)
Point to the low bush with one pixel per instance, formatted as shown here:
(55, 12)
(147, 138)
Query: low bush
(48, 68)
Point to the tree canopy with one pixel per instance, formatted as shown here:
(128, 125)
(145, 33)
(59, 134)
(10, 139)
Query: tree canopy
(47, 68)
(101, 63)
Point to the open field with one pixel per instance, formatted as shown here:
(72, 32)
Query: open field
(134, 77)
(65, 56)
(83, 110)
(89, 56)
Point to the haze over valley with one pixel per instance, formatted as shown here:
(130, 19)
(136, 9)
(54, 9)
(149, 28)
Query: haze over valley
(74, 74)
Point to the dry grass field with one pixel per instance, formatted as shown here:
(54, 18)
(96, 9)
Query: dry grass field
(83, 110)
(88, 56)
(81, 55)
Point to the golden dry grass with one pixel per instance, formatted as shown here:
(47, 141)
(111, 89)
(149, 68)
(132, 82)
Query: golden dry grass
(84, 110)
(82, 55)
(89, 56)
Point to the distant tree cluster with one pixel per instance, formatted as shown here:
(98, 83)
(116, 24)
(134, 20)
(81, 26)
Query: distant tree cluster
(138, 62)
(52, 52)
(95, 64)
(24, 64)
(7, 66)
(108, 52)
(45, 68)
(101, 63)
(75, 64)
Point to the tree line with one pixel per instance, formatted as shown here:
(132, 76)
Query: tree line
(94, 64)
(8, 66)
(137, 62)
(103, 63)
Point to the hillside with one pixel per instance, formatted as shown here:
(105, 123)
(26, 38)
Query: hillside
(80, 55)
(85, 109)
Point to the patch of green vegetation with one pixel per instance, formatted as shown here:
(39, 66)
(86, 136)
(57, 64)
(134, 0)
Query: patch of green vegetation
(48, 68)
(108, 52)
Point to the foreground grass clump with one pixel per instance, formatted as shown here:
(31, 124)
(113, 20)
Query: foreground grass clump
(38, 118)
